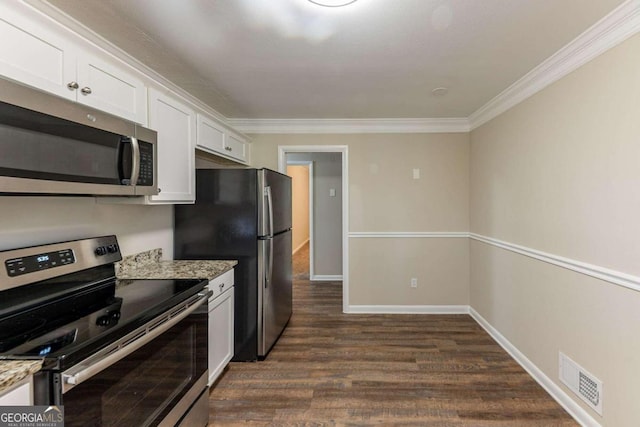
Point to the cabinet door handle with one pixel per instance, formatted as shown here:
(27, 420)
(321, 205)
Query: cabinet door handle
(86, 90)
(221, 286)
(228, 148)
(73, 85)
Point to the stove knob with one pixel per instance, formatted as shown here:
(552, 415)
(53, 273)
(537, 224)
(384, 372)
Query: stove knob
(100, 250)
(115, 315)
(112, 248)
(103, 321)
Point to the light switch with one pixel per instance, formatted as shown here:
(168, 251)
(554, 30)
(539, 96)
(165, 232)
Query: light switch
(416, 173)
(332, 192)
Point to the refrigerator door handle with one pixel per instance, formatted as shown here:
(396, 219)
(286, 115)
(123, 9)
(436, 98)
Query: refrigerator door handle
(269, 209)
(268, 271)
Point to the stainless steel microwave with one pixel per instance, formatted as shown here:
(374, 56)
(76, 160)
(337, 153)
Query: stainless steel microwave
(49, 145)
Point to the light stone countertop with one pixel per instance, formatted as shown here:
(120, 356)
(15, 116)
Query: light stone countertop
(148, 265)
(14, 371)
(145, 265)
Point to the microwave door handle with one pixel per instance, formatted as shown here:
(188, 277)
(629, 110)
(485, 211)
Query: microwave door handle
(135, 160)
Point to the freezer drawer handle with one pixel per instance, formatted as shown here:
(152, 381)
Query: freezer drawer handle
(268, 264)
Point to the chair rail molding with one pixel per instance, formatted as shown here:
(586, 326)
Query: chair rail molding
(608, 275)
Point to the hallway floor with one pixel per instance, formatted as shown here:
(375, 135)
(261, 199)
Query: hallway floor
(334, 369)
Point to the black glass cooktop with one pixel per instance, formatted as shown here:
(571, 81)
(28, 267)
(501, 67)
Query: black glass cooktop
(73, 325)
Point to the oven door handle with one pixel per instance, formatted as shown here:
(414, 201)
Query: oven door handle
(130, 343)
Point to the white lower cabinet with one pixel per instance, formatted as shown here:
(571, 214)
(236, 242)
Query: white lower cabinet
(19, 395)
(221, 312)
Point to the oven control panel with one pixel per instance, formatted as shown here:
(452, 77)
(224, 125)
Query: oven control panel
(39, 262)
(29, 265)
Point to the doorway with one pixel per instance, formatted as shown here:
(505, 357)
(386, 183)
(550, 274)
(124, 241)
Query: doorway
(301, 173)
(328, 235)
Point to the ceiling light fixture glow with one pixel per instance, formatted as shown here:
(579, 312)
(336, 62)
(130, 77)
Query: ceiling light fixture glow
(332, 3)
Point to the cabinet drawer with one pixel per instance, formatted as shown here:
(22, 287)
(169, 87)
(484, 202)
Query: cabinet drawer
(221, 283)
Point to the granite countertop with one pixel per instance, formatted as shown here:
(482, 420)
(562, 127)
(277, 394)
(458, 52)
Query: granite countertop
(13, 371)
(149, 265)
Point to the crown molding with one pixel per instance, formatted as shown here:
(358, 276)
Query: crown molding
(622, 23)
(342, 126)
(613, 29)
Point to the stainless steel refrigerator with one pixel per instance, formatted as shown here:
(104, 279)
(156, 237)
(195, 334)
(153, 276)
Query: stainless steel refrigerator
(244, 214)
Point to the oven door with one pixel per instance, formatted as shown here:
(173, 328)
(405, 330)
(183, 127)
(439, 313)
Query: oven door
(159, 382)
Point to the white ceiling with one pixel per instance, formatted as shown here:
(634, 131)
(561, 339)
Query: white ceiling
(371, 59)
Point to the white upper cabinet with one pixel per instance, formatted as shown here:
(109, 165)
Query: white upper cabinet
(175, 123)
(236, 147)
(109, 88)
(214, 138)
(210, 135)
(36, 52)
(31, 52)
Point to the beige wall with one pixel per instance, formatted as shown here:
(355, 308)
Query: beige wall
(383, 268)
(26, 221)
(383, 197)
(560, 173)
(300, 204)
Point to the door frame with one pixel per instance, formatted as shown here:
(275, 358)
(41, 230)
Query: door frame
(344, 151)
(309, 164)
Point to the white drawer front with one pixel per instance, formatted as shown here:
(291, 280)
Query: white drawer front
(221, 283)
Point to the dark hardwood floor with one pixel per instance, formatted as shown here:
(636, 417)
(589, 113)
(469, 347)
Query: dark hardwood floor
(333, 369)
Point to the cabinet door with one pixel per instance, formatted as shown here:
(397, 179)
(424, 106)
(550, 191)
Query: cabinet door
(220, 333)
(112, 89)
(19, 395)
(31, 52)
(210, 135)
(176, 127)
(236, 148)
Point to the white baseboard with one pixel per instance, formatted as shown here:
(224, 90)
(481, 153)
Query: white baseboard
(326, 278)
(408, 309)
(300, 247)
(575, 410)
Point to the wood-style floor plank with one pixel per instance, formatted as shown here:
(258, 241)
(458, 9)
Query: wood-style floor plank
(333, 369)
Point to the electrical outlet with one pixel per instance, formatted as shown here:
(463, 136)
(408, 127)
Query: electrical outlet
(414, 282)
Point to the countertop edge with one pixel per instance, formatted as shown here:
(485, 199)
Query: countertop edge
(14, 371)
(178, 269)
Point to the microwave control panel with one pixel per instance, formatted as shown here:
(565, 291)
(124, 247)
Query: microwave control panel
(145, 178)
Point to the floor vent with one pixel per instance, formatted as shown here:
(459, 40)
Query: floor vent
(582, 383)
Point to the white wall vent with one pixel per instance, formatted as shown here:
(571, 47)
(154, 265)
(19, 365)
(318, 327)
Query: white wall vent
(586, 386)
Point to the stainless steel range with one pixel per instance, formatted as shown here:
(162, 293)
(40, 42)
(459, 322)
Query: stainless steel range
(116, 353)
